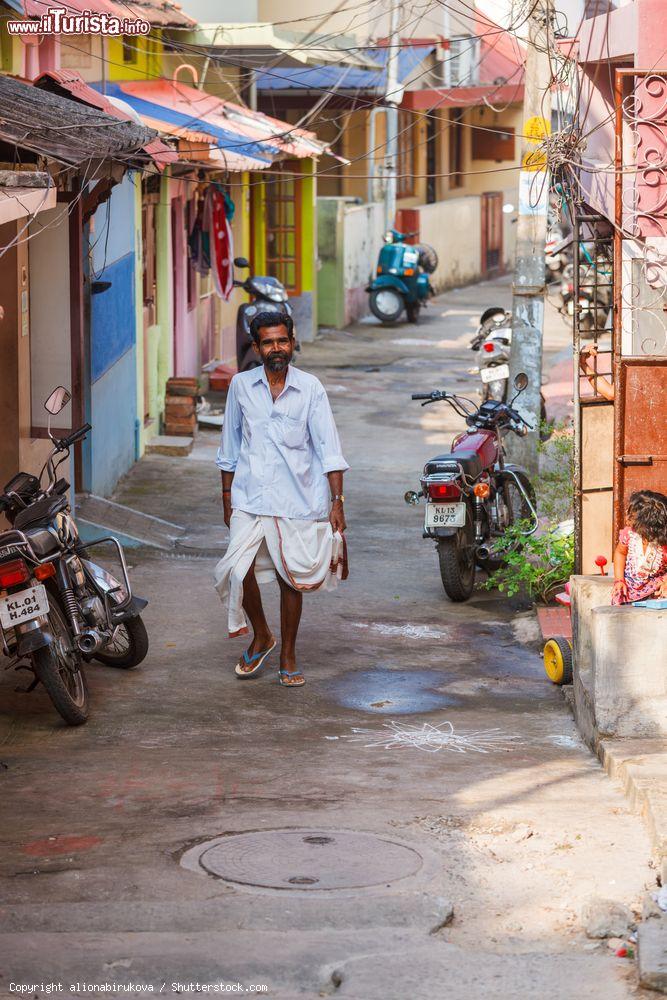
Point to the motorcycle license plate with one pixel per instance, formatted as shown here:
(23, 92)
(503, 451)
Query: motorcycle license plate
(496, 374)
(445, 515)
(23, 606)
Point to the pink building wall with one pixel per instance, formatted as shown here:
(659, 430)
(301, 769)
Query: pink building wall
(631, 36)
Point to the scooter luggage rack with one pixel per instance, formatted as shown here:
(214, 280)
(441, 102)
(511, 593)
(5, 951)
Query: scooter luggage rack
(121, 556)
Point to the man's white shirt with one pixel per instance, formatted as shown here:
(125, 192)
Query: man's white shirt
(280, 452)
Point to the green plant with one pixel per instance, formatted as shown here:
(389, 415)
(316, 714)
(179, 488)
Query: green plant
(535, 563)
(555, 483)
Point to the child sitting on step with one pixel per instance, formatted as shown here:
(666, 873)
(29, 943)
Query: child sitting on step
(640, 558)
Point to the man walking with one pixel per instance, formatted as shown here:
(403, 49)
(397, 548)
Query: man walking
(282, 493)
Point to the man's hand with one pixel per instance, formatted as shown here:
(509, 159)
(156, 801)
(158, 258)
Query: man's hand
(337, 517)
(227, 507)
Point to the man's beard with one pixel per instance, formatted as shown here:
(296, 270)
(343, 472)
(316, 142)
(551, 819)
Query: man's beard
(277, 362)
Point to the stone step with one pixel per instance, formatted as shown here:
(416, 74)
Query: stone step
(233, 911)
(97, 516)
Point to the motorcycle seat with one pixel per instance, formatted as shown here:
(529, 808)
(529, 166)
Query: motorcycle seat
(469, 461)
(39, 513)
(43, 540)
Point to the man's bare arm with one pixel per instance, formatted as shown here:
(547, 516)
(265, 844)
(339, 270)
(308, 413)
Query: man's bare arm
(337, 515)
(226, 487)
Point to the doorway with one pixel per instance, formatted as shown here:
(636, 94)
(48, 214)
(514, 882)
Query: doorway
(492, 233)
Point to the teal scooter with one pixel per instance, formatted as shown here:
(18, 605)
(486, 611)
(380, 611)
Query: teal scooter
(402, 278)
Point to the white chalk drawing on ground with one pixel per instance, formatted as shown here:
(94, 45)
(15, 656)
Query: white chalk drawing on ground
(406, 631)
(432, 739)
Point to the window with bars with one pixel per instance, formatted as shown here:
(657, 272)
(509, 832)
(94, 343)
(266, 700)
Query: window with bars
(405, 159)
(283, 230)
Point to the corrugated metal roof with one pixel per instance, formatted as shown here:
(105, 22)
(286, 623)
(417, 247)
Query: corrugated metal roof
(235, 129)
(68, 83)
(345, 77)
(160, 13)
(66, 130)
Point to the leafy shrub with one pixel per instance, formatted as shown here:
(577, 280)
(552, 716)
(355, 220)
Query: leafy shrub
(537, 563)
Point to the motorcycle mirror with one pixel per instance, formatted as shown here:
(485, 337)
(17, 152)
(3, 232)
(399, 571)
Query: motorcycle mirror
(520, 381)
(58, 400)
(241, 262)
(411, 497)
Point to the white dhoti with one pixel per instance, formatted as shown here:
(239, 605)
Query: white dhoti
(308, 555)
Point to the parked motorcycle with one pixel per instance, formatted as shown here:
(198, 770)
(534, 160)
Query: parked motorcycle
(402, 278)
(593, 304)
(557, 254)
(267, 294)
(471, 494)
(493, 340)
(58, 608)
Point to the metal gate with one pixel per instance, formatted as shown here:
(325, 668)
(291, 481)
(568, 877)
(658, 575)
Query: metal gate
(593, 312)
(640, 341)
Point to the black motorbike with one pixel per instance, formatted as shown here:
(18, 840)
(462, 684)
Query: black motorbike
(266, 295)
(58, 608)
(472, 494)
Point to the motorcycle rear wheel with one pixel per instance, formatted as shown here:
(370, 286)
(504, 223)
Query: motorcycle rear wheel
(129, 647)
(59, 668)
(386, 304)
(457, 564)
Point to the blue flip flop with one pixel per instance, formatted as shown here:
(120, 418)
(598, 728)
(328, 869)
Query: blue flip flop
(291, 673)
(259, 657)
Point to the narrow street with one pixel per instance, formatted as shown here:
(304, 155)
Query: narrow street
(102, 874)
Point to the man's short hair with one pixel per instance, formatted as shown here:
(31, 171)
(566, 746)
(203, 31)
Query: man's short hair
(262, 320)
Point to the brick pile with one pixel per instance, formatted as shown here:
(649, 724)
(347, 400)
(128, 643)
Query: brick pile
(180, 417)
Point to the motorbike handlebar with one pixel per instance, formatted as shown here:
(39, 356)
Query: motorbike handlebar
(75, 436)
(423, 395)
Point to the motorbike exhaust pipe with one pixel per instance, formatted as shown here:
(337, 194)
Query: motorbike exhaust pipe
(484, 552)
(89, 641)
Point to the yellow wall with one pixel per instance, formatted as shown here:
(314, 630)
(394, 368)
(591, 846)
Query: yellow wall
(146, 62)
(478, 175)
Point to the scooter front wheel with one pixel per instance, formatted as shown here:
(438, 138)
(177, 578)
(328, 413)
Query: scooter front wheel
(386, 304)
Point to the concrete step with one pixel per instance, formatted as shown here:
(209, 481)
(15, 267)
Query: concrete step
(169, 444)
(641, 767)
(377, 964)
(263, 912)
(97, 516)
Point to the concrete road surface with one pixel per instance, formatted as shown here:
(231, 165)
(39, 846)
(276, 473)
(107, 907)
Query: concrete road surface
(372, 865)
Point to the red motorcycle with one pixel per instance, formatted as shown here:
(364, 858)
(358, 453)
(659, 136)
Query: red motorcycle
(472, 495)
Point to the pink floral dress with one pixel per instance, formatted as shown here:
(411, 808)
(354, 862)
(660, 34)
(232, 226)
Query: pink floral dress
(644, 570)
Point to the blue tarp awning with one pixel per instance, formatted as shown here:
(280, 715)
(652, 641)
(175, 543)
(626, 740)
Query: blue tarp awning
(344, 77)
(232, 141)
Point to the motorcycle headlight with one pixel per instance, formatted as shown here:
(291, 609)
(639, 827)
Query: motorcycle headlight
(388, 236)
(276, 295)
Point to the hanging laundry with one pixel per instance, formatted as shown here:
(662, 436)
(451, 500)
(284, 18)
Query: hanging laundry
(221, 241)
(199, 242)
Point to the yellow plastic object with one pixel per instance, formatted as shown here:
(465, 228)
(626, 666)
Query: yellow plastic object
(558, 660)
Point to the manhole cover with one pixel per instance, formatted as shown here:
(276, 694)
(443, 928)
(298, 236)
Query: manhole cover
(307, 859)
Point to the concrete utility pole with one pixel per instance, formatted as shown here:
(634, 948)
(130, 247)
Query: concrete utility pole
(392, 96)
(529, 284)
